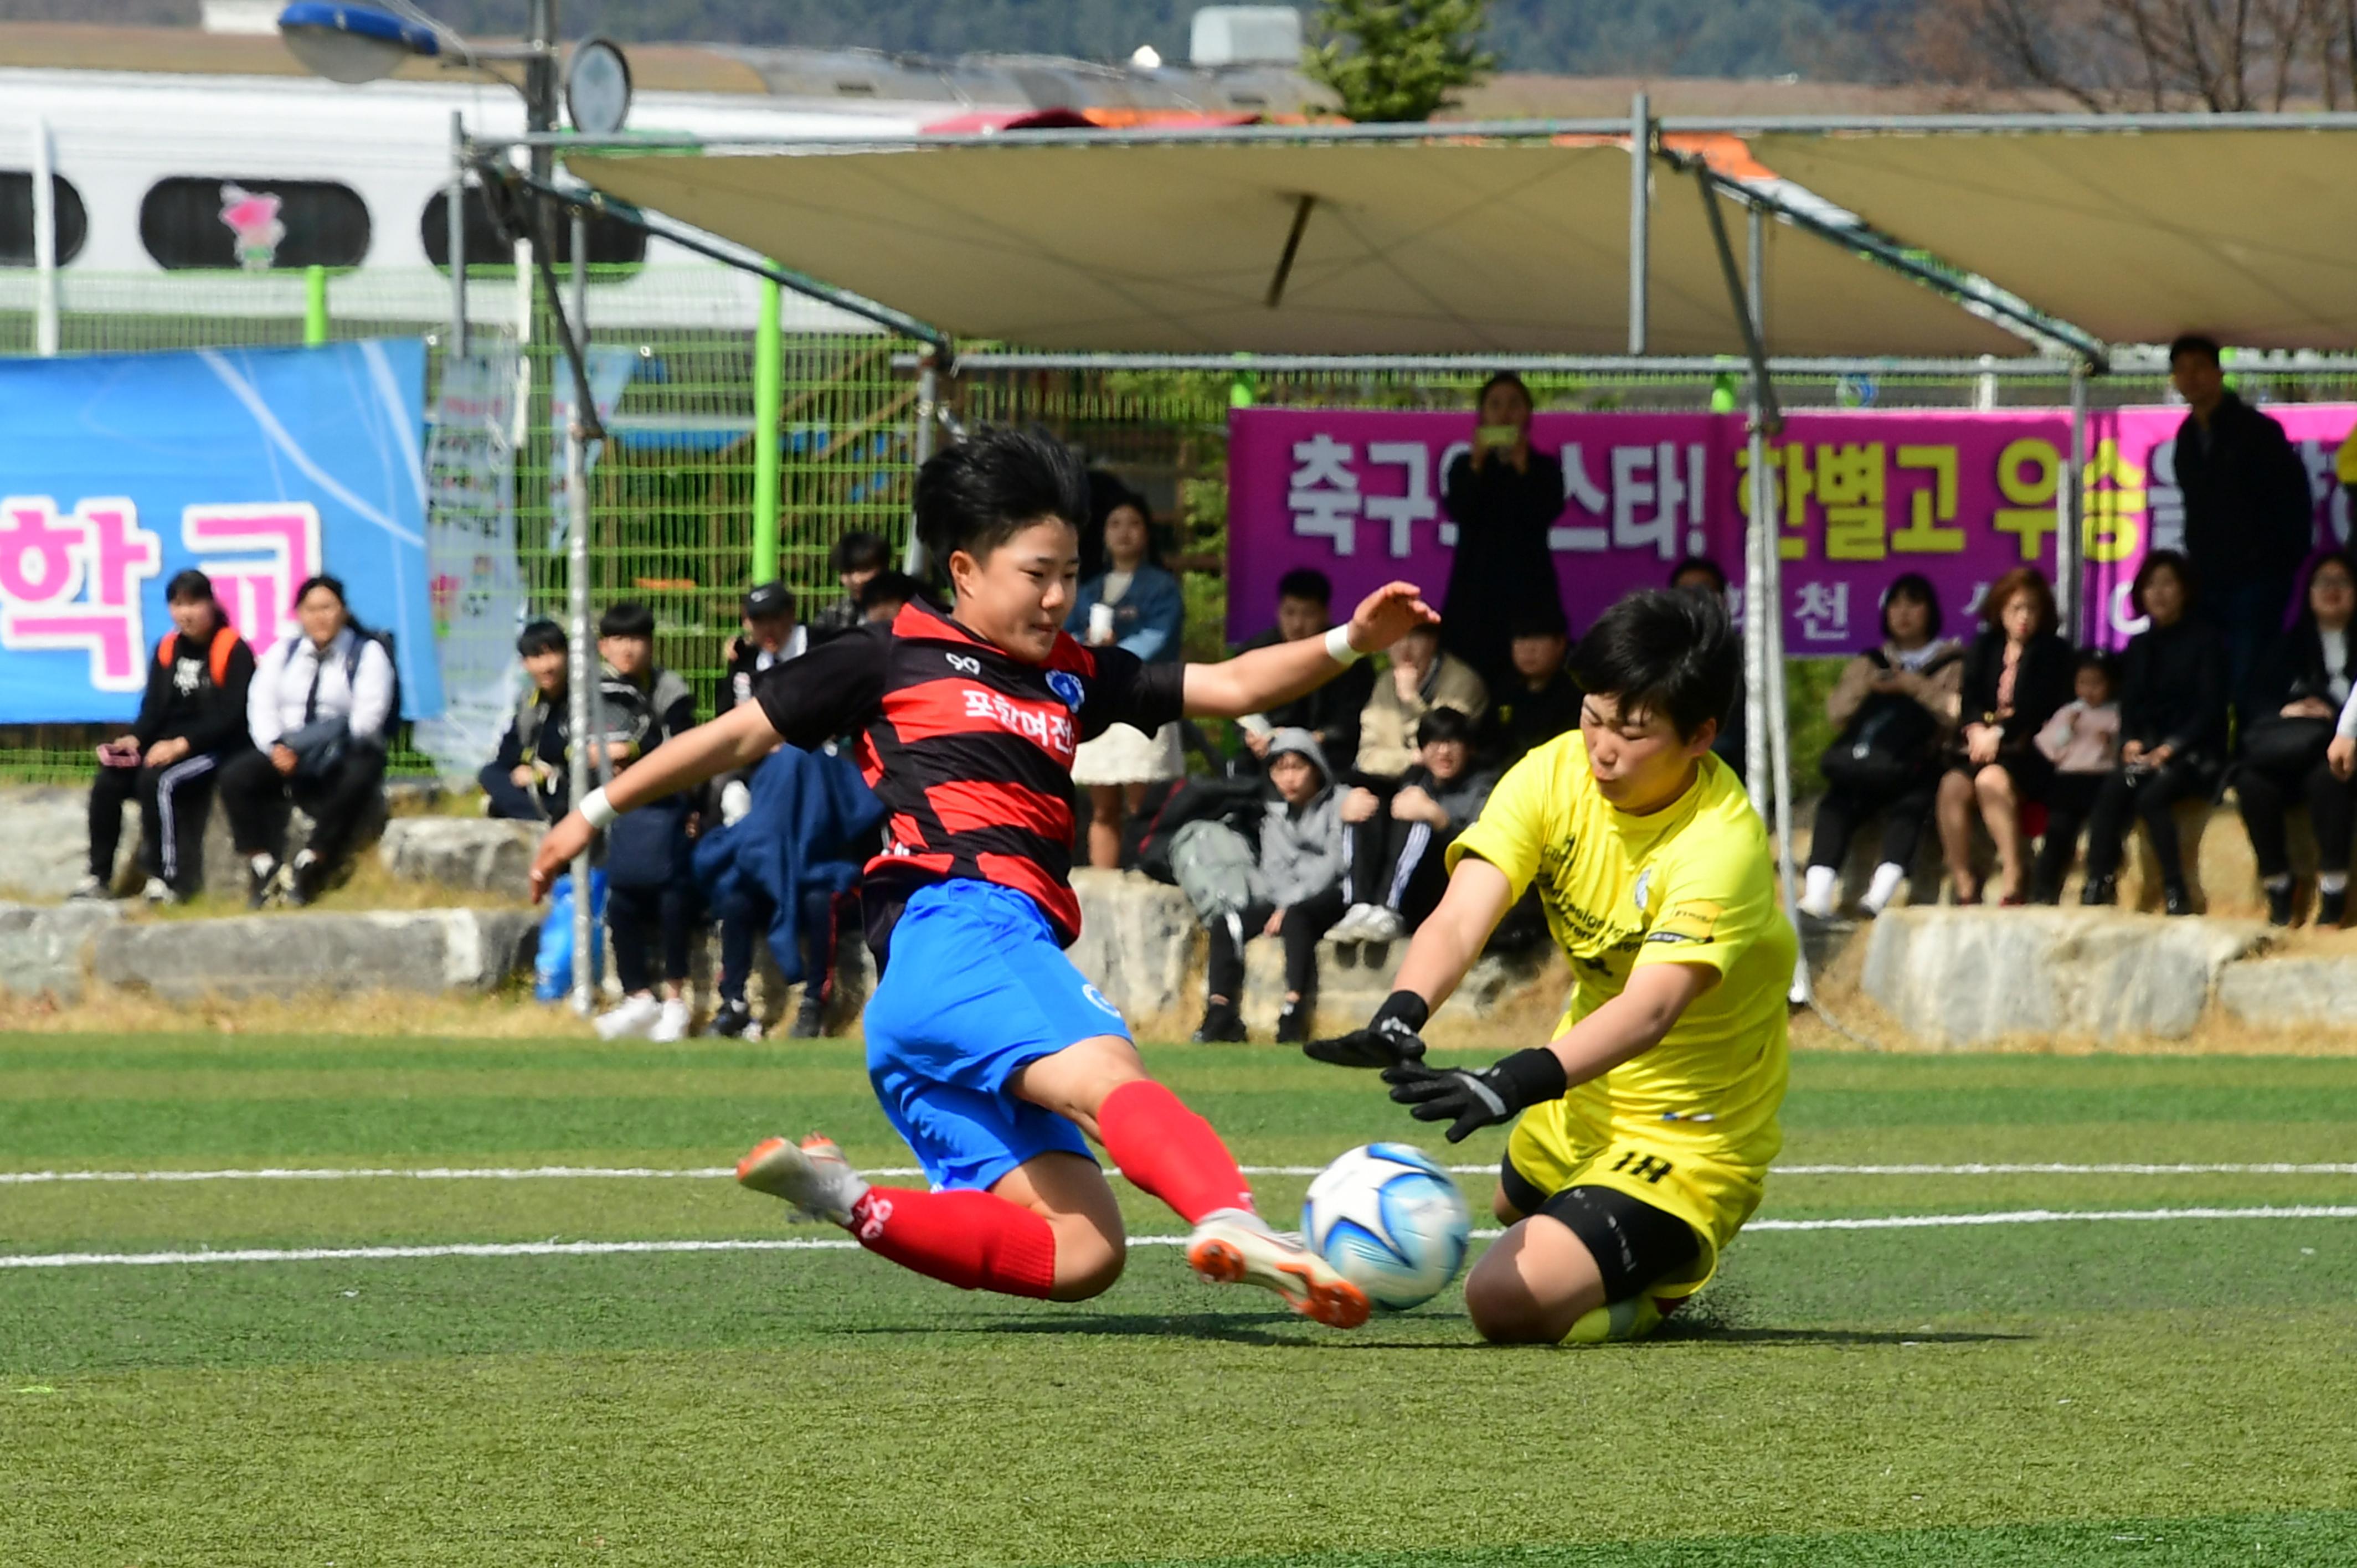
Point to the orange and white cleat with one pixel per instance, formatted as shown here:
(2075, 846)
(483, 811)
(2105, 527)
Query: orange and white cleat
(1236, 1246)
(812, 1176)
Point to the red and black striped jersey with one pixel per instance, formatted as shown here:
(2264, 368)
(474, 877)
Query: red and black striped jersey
(969, 749)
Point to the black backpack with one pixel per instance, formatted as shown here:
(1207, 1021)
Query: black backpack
(1888, 742)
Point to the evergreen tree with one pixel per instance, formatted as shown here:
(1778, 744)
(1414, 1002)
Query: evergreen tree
(1397, 59)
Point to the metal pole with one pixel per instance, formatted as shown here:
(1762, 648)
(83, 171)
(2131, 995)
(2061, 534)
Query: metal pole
(1640, 181)
(576, 553)
(1755, 271)
(769, 410)
(913, 560)
(2070, 574)
(1758, 543)
(458, 221)
(314, 306)
(45, 244)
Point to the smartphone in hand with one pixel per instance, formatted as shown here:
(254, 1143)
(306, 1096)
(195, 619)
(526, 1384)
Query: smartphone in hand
(111, 756)
(1496, 434)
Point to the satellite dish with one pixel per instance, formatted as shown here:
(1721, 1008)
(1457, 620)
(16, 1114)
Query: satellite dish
(597, 88)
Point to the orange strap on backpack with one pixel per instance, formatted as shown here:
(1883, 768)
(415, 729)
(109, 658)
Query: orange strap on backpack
(216, 657)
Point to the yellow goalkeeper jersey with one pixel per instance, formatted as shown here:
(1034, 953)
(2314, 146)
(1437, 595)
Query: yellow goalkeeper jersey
(1691, 883)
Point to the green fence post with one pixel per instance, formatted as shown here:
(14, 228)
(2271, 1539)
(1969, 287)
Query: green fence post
(314, 306)
(768, 408)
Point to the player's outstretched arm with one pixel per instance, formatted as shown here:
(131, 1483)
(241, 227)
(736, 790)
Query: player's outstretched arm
(1620, 1030)
(1265, 677)
(738, 738)
(1445, 946)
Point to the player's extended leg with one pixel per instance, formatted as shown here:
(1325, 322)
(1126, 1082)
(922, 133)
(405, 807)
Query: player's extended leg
(1099, 1085)
(1049, 1227)
(1577, 1269)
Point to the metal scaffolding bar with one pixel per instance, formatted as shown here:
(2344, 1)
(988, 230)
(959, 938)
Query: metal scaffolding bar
(1640, 185)
(1564, 364)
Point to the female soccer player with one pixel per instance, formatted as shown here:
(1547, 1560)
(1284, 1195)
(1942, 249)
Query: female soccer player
(1648, 1121)
(989, 1051)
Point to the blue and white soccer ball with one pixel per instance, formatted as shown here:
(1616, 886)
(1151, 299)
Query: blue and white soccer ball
(1391, 1222)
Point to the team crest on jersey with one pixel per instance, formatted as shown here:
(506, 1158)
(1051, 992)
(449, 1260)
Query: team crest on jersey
(1067, 685)
(1645, 885)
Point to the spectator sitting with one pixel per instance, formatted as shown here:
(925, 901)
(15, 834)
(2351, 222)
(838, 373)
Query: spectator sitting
(1138, 606)
(1701, 575)
(2299, 689)
(1504, 496)
(191, 721)
(1396, 875)
(1305, 598)
(1542, 700)
(2249, 517)
(1301, 896)
(858, 556)
(2082, 741)
(650, 879)
(1421, 678)
(527, 779)
(1895, 708)
(2017, 674)
(2172, 731)
(770, 636)
(887, 593)
(320, 712)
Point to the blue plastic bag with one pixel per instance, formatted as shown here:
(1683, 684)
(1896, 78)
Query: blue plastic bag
(552, 966)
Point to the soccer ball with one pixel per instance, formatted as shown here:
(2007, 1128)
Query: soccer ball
(1391, 1222)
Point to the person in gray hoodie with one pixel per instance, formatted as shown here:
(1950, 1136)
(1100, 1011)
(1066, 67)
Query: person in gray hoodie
(1298, 895)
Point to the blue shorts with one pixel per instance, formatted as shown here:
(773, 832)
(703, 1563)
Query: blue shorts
(976, 990)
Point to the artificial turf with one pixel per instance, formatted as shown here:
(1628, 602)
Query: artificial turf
(2138, 1391)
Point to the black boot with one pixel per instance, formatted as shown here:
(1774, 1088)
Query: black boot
(1221, 1023)
(1293, 1024)
(2099, 890)
(2175, 899)
(810, 1019)
(2330, 906)
(729, 1021)
(2278, 902)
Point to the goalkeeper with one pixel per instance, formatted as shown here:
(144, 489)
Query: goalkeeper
(1647, 1123)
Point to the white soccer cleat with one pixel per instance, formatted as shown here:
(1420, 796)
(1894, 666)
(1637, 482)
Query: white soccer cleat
(632, 1020)
(811, 1175)
(670, 1022)
(1235, 1246)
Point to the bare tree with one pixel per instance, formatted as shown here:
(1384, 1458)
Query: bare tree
(2222, 56)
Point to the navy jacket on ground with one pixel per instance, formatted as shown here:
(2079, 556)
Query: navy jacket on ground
(812, 827)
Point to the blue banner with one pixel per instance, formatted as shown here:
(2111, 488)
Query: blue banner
(258, 466)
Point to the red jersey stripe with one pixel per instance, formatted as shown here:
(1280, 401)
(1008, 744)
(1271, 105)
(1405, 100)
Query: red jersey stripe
(1061, 904)
(967, 804)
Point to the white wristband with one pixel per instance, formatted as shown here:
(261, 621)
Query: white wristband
(1338, 646)
(597, 811)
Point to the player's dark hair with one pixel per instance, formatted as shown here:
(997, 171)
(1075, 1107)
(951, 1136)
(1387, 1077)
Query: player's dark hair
(890, 588)
(2164, 561)
(1663, 650)
(540, 636)
(860, 551)
(1916, 588)
(629, 619)
(1443, 723)
(1307, 583)
(2194, 343)
(188, 588)
(982, 492)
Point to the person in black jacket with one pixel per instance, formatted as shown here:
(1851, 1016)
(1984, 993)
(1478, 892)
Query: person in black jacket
(2249, 518)
(527, 779)
(860, 555)
(1503, 498)
(2288, 713)
(191, 717)
(1542, 700)
(1305, 598)
(649, 882)
(2017, 674)
(2172, 731)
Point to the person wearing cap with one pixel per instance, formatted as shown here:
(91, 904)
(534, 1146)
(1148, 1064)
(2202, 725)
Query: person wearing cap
(771, 635)
(1300, 891)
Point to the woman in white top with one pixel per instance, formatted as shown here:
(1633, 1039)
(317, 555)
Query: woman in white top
(1138, 605)
(320, 712)
(2297, 690)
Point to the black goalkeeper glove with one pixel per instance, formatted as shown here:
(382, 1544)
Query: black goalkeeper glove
(1468, 1099)
(1390, 1038)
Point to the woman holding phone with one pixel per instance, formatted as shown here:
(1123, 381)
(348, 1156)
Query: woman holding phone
(1134, 604)
(1504, 496)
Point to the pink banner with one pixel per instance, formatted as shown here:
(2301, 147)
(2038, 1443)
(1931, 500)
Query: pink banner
(1862, 496)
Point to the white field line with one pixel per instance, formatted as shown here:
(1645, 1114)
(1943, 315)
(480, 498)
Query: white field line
(818, 1244)
(708, 1173)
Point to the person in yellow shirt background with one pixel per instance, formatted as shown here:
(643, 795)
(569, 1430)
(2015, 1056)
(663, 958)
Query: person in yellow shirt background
(1647, 1123)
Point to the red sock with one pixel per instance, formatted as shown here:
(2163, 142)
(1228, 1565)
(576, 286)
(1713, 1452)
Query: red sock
(970, 1240)
(1170, 1151)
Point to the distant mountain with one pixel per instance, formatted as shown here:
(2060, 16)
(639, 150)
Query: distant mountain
(1849, 41)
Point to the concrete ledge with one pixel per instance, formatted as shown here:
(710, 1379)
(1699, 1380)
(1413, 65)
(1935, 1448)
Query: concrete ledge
(478, 854)
(1962, 976)
(46, 949)
(2288, 992)
(45, 847)
(287, 955)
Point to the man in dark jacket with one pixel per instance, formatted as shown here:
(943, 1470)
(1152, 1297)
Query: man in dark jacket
(860, 555)
(192, 716)
(1305, 598)
(1542, 700)
(771, 635)
(1503, 496)
(1397, 846)
(2249, 517)
(529, 779)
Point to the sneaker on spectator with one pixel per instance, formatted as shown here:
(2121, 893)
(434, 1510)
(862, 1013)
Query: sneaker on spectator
(1349, 928)
(672, 1020)
(90, 887)
(261, 876)
(1221, 1023)
(810, 1019)
(159, 892)
(1293, 1024)
(299, 878)
(2332, 907)
(1383, 924)
(2278, 902)
(636, 1016)
(729, 1021)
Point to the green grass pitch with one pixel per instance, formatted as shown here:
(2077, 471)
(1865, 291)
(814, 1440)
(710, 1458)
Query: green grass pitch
(2143, 1391)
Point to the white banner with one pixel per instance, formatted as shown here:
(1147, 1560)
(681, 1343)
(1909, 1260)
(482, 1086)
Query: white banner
(470, 550)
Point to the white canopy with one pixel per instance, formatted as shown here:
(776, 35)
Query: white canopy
(1427, 246)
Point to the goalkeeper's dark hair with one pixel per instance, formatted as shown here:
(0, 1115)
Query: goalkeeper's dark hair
(1664, 651)
(992, 486)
